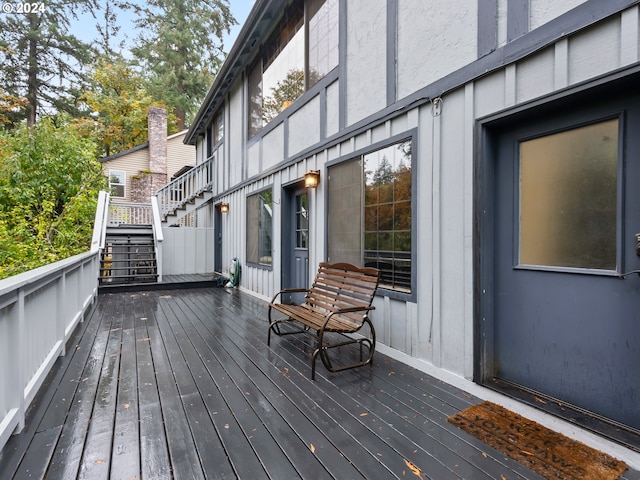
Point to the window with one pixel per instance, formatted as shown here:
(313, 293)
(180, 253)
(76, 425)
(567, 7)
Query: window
(215, 132)
(218, 127)
(259, 228)
(279, 75)
(117, 183)
(568, 198)
(370, 216)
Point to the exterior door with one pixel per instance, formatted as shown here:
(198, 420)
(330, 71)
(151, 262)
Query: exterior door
(217, 230)
(566, 209)
(296, 242)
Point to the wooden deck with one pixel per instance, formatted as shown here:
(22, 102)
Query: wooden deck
(180, 384)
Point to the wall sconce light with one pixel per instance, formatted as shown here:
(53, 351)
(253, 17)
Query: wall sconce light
(224, 208)
(312, 178)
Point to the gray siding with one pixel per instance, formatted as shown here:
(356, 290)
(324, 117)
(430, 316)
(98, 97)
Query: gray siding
(559, 44)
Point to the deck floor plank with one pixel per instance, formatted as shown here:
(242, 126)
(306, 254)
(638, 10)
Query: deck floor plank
(347, 380)
(174, 384)
(356, 421)
(184, 459)
(125, 458)
(154, 452)
(271, 404)
(392, 448)
(96, 457)
(67, 457)
(239, 391)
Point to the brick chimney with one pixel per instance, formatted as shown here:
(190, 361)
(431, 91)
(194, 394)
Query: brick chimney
(157, 127)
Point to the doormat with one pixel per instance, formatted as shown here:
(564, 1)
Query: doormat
(551, 454)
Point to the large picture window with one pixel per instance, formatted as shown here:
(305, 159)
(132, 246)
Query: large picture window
(370, 215)
(260, 228)
(293, 59)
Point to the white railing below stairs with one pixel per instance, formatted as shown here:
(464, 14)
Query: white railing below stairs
(185, 188)
(130, 214)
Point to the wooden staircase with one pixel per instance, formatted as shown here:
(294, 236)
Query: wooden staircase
(129, 256)
(185, 194)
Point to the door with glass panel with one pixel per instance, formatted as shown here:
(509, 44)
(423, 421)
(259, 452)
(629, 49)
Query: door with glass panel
(566, 203)
(295, 233)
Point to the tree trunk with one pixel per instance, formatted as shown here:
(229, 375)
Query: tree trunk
(32, 73)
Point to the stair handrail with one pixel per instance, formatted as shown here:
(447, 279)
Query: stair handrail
(100, 221)
(158, 236)
(185, 188)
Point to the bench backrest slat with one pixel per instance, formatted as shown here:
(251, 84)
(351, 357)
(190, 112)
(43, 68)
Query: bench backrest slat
(342, 285)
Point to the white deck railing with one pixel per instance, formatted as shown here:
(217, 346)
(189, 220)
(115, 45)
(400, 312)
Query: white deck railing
(185, 188)
(39, 311)
(130, 214)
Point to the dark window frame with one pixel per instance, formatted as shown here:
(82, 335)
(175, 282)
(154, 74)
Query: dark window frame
(262, 227)
(405, 294)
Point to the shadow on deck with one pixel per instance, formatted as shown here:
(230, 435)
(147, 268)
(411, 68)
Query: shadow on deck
(180, 384)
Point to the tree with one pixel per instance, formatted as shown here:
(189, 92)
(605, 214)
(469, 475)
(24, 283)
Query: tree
(49, 184)
(10, 107)
(181, 47)
(119, 100)
(39, 59)
(108, 29)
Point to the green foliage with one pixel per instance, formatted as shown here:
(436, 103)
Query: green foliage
(119, 100)
(181, 48)
(49, 184)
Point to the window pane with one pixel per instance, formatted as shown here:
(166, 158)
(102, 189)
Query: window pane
(323, 39)
(117, 182)
(302, 222)
(378, 233)
(255, 99)
(344, 227)
(568, 198)
(388, 189)
(259, 228)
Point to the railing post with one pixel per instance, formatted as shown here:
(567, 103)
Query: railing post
(60, 312)
(158, 236)
(20, 356)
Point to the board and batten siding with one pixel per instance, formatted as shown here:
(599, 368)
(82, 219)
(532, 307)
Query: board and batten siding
(178, 154)
(438, 326)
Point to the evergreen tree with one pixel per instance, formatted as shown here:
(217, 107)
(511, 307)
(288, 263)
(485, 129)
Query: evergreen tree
(181, 47)
(119, 100)
(40, 60)
(108, 29)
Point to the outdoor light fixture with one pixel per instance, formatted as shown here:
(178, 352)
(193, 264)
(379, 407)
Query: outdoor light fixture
(312, 178)
(224, 207)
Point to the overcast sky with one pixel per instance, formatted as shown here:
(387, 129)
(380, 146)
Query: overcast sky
(85, 27)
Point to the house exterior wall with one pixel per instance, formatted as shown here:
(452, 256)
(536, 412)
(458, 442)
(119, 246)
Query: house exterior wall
(178, 154)
(132, 163)
(141, 182)
(421, 69)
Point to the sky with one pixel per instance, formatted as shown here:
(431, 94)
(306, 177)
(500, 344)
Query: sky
(85, 27)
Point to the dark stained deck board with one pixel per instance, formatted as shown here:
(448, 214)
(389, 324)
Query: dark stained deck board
(273, 407)
(376, 416)
(180, 384)
(154, 453)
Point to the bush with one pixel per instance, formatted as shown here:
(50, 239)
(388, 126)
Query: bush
(49, 184)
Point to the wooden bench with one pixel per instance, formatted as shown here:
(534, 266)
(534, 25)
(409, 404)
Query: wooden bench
(339, 301)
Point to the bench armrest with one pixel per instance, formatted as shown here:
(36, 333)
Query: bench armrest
(288, 290)
(346, 310)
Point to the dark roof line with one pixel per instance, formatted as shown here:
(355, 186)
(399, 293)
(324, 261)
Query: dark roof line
(239, 55)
